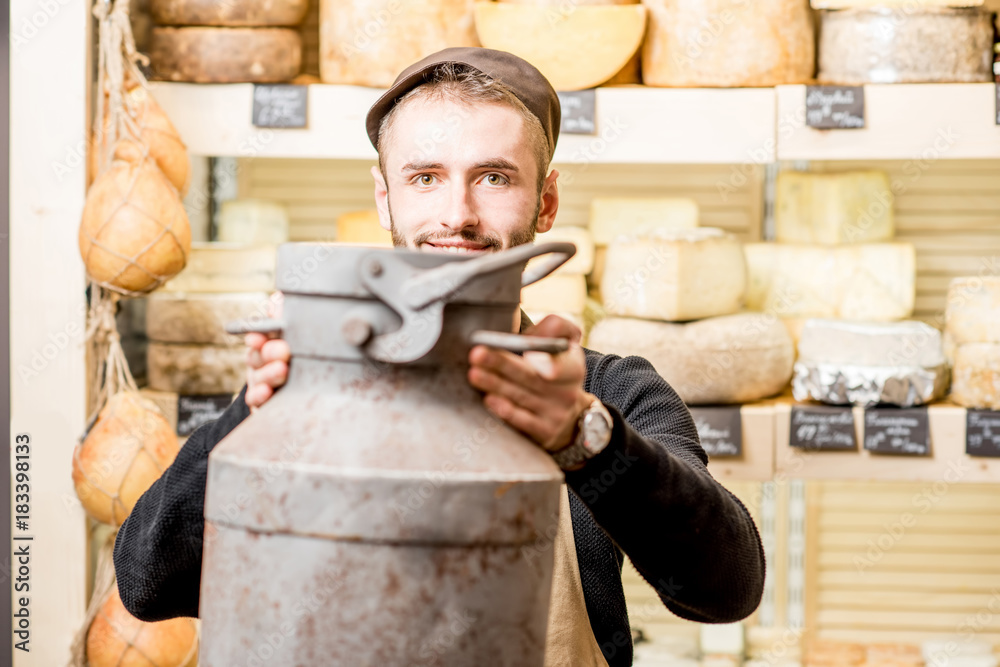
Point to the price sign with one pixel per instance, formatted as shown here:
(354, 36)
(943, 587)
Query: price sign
(720, 430)
(280, 106)
(982, 433)
(897, 431)
(194, 411)
(835, 107)
(579, 111)
(822, 428)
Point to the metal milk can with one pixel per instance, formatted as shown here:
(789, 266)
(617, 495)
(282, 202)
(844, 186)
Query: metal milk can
(372, 512)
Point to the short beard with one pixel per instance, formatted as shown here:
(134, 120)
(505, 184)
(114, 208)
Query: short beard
(491, 242)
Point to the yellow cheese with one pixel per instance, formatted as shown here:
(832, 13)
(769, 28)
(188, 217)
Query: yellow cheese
(976, 377)
(614, 216)
(582, 262)
(362, 227)
(575, 47)
(196, 369)
(850, 207)
(558, 293)
(675, 275)
(252, 221)
(873, 282)
(226, 267)
(973, 311)
(201, 318)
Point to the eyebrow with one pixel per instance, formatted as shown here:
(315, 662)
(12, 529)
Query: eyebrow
(493, 163)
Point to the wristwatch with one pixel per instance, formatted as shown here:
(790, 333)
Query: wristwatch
(593, 433)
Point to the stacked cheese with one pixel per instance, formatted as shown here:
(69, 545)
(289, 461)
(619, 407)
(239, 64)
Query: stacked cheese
(564, 292)
(973, 331)
(205, 41)
(661, 272)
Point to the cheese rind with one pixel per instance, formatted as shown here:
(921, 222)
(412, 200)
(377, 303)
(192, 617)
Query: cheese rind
(248, 13)
(973, 311)
(611, 217)
(850, 207)
(225, 55)
(582, 262)
(871, 343)
(729, 359)
(976, 377)
(870, 282)
(362, 227)
(253, 221)
(201, 318)
(557, 293)
(226, 267)
(196, 369)
(675, 275)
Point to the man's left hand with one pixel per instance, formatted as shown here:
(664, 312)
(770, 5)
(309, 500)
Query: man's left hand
(539, 394)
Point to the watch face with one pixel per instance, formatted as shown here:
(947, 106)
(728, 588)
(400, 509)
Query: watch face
(596, 431)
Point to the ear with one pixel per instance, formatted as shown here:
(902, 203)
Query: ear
(549, 204)
(381, 199)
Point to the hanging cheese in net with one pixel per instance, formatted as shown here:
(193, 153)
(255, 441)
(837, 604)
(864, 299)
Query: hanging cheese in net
(118, 639)
(128, 448)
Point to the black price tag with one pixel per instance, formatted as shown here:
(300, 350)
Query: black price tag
(996, 87)
(835, 107)
(982, 433)
(897, 431)
(282, 105)
(579, 111)
(194, 411)
(822, 428)
(720, 430)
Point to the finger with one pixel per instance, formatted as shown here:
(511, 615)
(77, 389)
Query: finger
(276, 349)
(553, 326)
(275, 305)
(257, 395)
(523, 420)
(508, 365)
(254, 340)
(491, 383)
(273, 374)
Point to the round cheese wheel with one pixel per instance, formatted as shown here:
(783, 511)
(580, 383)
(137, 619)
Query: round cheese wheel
(906, 45)
(134, 234)
(225, 55)
(194, 369)
(118, 639)
(728, 43)
(730, 359)
(127, 449)
(246, 13)
(201, 318)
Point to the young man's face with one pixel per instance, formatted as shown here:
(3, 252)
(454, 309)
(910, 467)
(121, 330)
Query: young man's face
(461, 178)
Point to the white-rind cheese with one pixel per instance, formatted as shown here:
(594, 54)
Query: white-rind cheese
(729, 359)
(226, 267)
(871, 343)
(874, 282)
(973, 311)
(675, 275)
(196, 369)
(557, 293)
(975, 381)
(849, 207)
(582, 262)
(201, 318)
(611, 217)
(253, 221)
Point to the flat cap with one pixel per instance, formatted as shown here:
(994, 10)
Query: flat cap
(523, 79)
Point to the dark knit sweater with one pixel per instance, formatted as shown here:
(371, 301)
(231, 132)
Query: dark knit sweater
(648, 494)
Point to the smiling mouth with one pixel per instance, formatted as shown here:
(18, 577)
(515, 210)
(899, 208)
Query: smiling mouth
(459, 248)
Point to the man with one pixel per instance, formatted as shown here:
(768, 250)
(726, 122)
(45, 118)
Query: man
(465, 138)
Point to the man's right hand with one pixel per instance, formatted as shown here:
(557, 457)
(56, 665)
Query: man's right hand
(267, 367)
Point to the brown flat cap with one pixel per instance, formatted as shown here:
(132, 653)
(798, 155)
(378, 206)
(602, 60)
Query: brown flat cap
(526, 82)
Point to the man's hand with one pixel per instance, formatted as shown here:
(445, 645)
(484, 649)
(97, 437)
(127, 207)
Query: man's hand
(539, 394)
(267, 367)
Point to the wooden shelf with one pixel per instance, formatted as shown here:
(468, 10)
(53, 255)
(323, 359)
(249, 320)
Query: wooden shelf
(756, 463)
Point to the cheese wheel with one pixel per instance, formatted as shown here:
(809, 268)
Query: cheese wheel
(166, 401)
(874, 282)
(245, 13)
(582, 262)
(849, 207)
(909, 4)
(906, 45)
(362, 227)
(675, 275)
(225, 55)
(252, 221)
(973, 311)
(201, 318)
(556, 293)
(848, 343)
(611, 217)
(196, 369)
(728, 43)
(118, 639)
(575, 47)
(730, 359)
(227, 267)
(975, 381)
(369, 42)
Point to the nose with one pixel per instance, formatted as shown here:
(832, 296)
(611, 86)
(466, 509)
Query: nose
(460, 210)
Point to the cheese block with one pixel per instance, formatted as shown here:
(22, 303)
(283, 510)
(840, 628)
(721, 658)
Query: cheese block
(201, 318)
(911, 4)
(362, 227)
(675, 275)
(252, 221)
(906, 45)
(615, 216)
(873, 282)
(973, 311)
(849, 207)
(246, 13)
(575, 48)
(196, 369)
(730, 359)
(725, 43)
(565, 293)
(225, 55)
(582, 262)
(369, 42)
(975, 381)
(226, 267)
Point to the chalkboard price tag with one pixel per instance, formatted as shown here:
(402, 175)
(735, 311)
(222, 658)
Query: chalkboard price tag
(194, 411)
(835, 107)
(897, 431)
(280, 105)
(579, 111)
(982, 433)
(822, 428)
(720, 430)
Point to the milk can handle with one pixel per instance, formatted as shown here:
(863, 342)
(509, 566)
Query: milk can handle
(265, 326)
